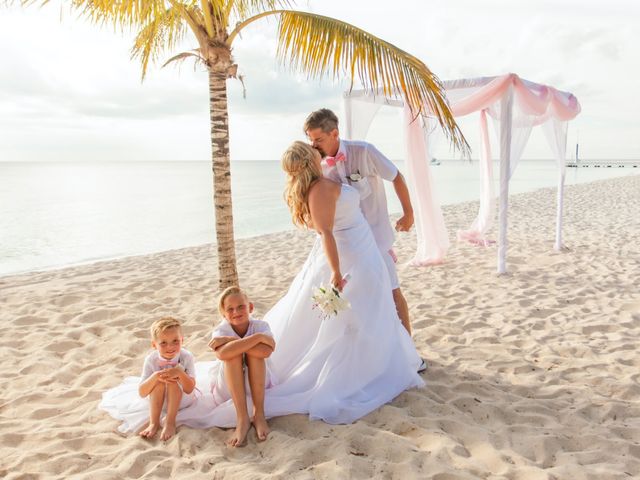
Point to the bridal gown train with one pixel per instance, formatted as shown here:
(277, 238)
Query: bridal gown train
(340, 368)
(336, 369)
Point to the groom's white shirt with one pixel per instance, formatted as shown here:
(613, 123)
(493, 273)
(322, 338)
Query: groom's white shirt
(373, 167)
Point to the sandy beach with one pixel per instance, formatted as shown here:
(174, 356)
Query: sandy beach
(532, 375)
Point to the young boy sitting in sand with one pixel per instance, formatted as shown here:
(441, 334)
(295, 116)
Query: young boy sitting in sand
(243, 344)
(168, 377)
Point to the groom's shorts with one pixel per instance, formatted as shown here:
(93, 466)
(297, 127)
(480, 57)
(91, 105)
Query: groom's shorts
(390, 260)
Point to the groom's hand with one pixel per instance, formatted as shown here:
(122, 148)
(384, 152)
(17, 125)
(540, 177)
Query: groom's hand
(404, 223)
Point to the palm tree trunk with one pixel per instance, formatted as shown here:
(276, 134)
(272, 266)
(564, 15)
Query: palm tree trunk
(227, 272)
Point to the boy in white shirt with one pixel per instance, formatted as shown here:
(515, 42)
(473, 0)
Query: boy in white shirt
(244, 345)
(168, 377)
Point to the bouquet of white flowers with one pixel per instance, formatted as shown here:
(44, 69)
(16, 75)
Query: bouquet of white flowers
(328, 300)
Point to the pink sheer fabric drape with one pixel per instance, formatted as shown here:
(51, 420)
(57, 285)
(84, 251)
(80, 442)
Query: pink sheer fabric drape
(515, 106)
(431, 232)
(481, 98)
(533, 98)
(484, 221)
(432, 237)
(533, 104)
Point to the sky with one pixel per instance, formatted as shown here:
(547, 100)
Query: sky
(70, 92)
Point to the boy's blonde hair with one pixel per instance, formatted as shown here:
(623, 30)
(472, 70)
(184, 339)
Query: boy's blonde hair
(165, 323)
(233, 290)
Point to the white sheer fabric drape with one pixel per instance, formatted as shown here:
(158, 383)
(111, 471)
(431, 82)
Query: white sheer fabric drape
(358, 118)
(516, 106)
(521, 126)
(556, 133)
(520, 123)
(360, 109)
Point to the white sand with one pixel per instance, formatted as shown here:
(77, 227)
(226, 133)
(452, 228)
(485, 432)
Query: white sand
(532, 375)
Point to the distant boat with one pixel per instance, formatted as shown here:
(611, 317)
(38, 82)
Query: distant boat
(576, 160)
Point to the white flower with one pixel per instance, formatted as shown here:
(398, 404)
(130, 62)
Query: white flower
(329, 301)
(355, 177)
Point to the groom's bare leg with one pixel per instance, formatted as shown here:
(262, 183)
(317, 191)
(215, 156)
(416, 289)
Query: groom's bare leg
(402, 308)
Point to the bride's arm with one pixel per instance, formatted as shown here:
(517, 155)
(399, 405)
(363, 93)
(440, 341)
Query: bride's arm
(323, 197)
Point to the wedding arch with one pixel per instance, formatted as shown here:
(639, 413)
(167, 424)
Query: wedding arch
(516, 106)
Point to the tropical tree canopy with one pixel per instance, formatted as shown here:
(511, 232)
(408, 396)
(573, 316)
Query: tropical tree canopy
(312, 44)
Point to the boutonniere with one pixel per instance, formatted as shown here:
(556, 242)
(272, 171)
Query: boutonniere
(355, 177)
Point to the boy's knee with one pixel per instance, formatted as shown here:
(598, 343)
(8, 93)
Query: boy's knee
(234, 361)
(158, 389)
(254, 361)
(174, 388)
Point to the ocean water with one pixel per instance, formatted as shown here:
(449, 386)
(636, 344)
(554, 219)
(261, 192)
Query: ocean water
(59, 214)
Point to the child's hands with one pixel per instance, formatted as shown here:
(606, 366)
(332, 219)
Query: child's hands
(218, 342)
(158, 376)
(267, 340)
(170, 375)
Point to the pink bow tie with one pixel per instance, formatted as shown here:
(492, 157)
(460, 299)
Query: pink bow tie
(331, 161)
(167, 363)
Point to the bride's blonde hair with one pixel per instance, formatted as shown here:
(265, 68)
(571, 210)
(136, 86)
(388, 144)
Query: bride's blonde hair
(302, 170)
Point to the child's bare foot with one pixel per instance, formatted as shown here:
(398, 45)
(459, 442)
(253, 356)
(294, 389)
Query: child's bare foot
(150, 431)
(239, 437)
(168, 431)
(262, 428)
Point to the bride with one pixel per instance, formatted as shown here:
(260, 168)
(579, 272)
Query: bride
(340, 368)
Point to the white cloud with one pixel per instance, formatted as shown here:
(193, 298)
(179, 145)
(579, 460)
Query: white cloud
(70, 91)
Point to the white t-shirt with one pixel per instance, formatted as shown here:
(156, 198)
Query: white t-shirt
(224, 329)
(154, 363)
(219, 388)
(364, 159)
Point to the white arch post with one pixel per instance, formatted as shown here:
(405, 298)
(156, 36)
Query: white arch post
(506, 116)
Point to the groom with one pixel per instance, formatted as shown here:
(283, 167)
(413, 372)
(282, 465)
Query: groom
(362, 166)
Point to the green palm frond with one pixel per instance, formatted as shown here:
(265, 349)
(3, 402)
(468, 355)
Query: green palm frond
(163, 32)
(214, 14)
(141, 13)
(242, 9)
(321, 46)
(125, 13)
(181, 57)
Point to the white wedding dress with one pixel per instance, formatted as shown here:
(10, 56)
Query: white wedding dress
(340, 368)
(336, 369)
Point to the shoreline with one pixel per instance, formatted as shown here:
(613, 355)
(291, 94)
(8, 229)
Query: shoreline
(531, 375)
(88, 262)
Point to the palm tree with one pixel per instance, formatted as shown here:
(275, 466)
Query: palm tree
(313, 44)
